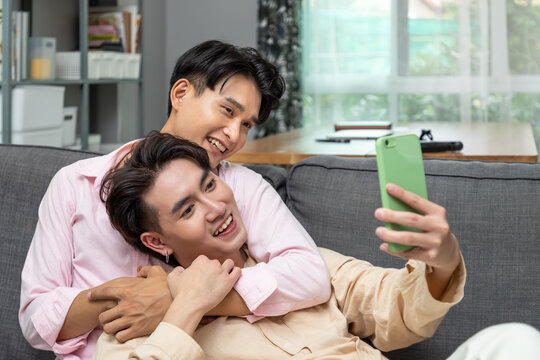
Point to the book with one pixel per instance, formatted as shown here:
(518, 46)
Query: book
(19, 45)
(371, 124)
(24, 44)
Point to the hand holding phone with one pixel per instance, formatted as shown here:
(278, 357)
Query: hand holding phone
(399, 161)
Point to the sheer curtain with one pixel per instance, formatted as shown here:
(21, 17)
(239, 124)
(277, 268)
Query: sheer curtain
(421, 60)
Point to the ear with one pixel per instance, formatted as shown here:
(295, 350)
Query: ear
(152, 240)
(178, 91)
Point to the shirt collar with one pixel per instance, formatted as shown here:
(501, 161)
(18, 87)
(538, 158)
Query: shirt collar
(98, 169)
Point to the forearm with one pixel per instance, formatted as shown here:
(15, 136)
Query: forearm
(278, 240)
(83, 316)
(231, 305)
(184, 316)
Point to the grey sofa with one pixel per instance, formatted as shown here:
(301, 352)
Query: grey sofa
(493, 208)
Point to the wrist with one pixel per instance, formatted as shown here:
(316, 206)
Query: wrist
(184, 315)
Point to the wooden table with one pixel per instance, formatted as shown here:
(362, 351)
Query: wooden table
(481, 141)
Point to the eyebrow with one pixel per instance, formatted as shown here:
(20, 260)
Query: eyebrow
(241, 107)
(178, 205)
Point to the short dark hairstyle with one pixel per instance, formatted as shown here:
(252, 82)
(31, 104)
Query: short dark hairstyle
(210, 62)
(123, 188)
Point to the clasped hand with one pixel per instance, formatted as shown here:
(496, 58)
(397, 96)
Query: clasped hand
(197, 289)
(141, 303)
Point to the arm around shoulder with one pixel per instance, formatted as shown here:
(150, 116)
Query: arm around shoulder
(281, 246)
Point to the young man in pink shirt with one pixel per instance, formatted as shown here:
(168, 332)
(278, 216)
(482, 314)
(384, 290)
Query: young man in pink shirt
(80, 273)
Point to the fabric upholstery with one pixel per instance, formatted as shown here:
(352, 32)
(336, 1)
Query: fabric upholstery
(25, 172)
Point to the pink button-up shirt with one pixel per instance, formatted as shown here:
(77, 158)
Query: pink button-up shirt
(75, 248)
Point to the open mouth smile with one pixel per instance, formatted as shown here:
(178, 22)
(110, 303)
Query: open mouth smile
(222, 148)
(224, 226)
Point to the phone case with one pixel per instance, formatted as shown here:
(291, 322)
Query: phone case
(399, 161)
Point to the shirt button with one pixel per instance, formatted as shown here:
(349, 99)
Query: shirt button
(287, 345)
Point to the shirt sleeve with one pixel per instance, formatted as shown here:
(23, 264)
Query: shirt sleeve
(46, 292)
(392, 307)
(290, 273)
(167, 342)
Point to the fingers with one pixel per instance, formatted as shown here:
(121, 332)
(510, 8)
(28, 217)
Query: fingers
(115, 289)
(119, 324)
(127, 333)
(150, 271)
(227, 265)
(415, 201)
(235, 274)
(104, 292)
(109, 316)
(426, 256)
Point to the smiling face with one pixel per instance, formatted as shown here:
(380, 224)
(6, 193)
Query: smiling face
(218, 120)
(197, 215)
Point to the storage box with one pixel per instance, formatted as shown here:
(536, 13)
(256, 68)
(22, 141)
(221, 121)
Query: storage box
(94, 64)
(106, 65)
(36, 107)
(69, 125)
(94, 142)
(132, 66)
(42, 58)
(117, 66)
(68, 65)
(48, 137)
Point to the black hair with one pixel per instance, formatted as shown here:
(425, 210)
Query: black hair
(123, 188)
(212, 61)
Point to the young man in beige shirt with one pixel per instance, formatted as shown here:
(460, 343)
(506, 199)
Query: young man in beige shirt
(392, 307)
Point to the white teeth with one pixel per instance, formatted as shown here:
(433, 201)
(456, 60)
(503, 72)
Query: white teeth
(217, 144)
(224, 226)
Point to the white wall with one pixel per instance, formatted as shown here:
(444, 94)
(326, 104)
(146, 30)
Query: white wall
(173, 26)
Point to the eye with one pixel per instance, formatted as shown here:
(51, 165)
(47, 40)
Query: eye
(187, 212)
(247, 124)
(211, 185)
(228, 110)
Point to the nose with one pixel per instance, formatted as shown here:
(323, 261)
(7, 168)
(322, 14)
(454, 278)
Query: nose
(232, 131)
(215, 210)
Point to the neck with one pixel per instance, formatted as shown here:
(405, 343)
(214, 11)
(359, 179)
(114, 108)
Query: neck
(238, 257)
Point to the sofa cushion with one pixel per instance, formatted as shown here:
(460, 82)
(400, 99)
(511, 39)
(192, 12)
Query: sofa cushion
(493, 208)
(25, 172)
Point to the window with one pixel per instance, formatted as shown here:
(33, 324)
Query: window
(421, 60)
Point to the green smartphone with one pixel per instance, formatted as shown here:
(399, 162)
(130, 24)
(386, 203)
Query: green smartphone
(399, 161)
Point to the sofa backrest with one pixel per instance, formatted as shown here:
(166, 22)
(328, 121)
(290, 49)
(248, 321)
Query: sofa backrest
(25, 172)
(493, 208)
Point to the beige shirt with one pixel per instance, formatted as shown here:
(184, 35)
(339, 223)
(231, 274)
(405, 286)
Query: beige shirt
(391, 307)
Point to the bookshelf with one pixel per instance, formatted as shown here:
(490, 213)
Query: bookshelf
(83, 87)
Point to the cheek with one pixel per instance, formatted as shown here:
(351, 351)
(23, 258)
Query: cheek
(242, 139)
